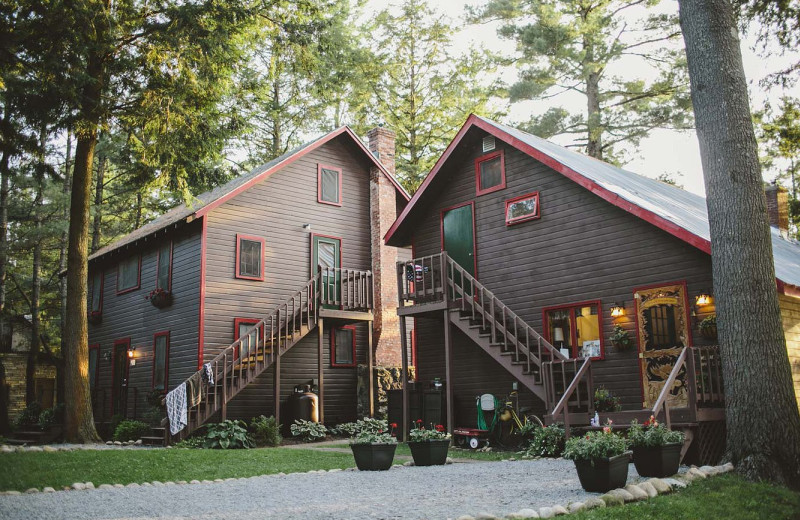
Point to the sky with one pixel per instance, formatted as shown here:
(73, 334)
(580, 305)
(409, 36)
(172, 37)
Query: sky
(664, 151)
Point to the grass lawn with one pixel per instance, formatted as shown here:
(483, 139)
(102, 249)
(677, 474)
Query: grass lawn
(26, 470)
(726, 496)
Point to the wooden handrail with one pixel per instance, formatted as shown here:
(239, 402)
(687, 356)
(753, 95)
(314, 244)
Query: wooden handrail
(661, 402)
(562, 403)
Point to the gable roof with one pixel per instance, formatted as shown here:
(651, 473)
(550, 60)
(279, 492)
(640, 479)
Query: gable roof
(676, 211)
(209, 200)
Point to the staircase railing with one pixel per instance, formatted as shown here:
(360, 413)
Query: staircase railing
(349, 289)
(583, 373)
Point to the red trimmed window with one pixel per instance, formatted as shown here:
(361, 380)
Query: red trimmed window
(241, 327)
(94, 365)
(329, 185)
(490, 173)
(129, 274)
(249, 257)
(161, 360)
(577, 329)
(343, 346)
(95, 303)
(164, 267)
(522, 208)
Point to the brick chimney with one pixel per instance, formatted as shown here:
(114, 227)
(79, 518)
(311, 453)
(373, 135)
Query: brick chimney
(778, 207)
(383, 212)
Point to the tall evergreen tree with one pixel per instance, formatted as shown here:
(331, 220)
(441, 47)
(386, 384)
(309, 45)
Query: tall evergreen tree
(758, 378)
(578, 47)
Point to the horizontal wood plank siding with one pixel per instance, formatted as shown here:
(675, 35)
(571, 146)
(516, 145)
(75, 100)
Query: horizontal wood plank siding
(790, 312)
(582, 248)
(276, 209)
(131, 315)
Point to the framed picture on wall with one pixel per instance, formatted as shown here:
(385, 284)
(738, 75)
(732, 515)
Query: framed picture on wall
(591, 348)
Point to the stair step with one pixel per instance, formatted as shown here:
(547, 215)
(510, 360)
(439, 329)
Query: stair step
(152, 440)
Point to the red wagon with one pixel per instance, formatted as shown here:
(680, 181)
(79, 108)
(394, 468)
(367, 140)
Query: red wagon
(470, 437)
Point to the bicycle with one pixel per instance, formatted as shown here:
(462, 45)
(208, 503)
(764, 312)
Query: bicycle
(510, 429)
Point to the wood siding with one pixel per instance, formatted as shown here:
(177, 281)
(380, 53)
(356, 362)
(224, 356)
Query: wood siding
(131, 315)
(790, 312)
(582, 248)
(276, 210)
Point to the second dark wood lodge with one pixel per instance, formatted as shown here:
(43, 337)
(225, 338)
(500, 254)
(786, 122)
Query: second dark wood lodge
(527, 255)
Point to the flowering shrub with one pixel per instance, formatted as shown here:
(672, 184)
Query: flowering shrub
(157, 293)
(547, 442)
(308, 431)
(605, 402)
(595, 445)
(421, 434)
(651, 433)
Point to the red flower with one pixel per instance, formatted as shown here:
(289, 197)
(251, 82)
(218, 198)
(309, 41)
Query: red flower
(393, 425)
(419, 421)
(439, 428)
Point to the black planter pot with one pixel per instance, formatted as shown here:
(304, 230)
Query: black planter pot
(373, 457)
(657, 461)
(429, 453)
(605, 474)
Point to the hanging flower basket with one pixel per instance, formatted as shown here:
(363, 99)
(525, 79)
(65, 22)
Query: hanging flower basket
(160, 298)
(708, 327)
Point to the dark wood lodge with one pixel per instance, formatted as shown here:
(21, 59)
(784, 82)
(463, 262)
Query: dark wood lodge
(269, 279)
(527, 256)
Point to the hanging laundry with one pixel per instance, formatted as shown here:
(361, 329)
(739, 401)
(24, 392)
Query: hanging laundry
(176, 409)
(208, 374)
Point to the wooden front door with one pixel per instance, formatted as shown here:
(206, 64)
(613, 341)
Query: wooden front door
(326, 252)
(119, 377)
(663, 326)
(458, 237)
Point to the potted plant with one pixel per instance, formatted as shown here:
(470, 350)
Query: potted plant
(160, 298)
(604, 401)
(600, 458)
(656, 449)
(373, 451)
(620, 338)
(708, 327)
(429, 446)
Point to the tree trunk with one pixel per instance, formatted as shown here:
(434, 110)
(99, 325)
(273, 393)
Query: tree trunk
(138, 222)
(763, 424)
(98, 204)
(79, 423)
(62, 265)
(594, 130)
(4, 181)
(36, 276)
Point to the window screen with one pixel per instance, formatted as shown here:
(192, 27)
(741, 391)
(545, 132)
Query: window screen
(96, 294)
(329, 186)
(164, 267)
(160, 362)
(93, 367)
(248, 343)
(128, 274)
(249, 258)
(491, 174)
(343, 346)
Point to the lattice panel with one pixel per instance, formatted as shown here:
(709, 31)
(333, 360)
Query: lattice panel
(710, 442)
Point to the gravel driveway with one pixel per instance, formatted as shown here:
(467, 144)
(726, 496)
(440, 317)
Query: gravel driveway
(437, 492)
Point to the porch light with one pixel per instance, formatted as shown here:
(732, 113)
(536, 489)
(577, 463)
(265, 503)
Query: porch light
(131, 351)
(307, 228)
(703, 299)
(617, 310)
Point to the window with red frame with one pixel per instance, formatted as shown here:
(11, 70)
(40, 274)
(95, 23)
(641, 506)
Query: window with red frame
(128, 272)
(95, 304)
(522, 209)
(490, 173)
(343, 346)
(94, 353)
(160, 361)
(249, 257)
(576, 328)
(329, 185)
(164, 267)
(242, 329)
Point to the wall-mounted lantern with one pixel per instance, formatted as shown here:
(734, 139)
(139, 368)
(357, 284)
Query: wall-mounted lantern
(617, 310)
(132, 355)
(702, 299)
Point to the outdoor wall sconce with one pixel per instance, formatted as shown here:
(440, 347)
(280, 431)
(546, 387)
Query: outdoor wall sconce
(617, 310)
(307, 228)
(702, 299)
(131, 354)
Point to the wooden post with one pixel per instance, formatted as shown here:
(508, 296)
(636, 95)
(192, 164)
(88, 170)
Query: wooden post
(404, 376)
(370, 370)
(448, 346)
(320, 374)
(225, 386)
(276, 391)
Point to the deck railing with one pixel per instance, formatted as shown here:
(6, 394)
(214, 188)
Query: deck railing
(420, 280)
(349, 289)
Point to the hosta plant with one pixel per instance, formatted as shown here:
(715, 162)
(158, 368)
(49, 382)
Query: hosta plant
(308, 431)
(228, 435)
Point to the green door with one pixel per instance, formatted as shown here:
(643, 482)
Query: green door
(326, 253)
(458, 239)
(119, 378)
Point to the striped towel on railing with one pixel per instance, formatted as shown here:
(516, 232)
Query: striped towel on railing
(176, 409)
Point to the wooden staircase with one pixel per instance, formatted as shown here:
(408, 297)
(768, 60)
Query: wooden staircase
(237, 365)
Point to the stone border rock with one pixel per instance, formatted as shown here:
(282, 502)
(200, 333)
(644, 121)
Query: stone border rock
(641, 491)
(109, 445)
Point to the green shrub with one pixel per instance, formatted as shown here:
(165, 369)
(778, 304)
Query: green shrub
(265, 431)
(29, 416)
(114, 422)
(194, 442)
(131, 431)
(595, 445)
(228, 435)
(652, 434)
(366, 424)
(547, 442)
(47, 418)
(308, 431)
(604, 401)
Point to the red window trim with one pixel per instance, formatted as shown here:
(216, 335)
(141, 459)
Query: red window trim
(333, 347)
(91, 292)
(474, 232)
(138, 278)
(518, 220)
(488, 157)
(244, 321)
(573, 331)
(239, 238)
(127, 343)
(96, 346)
(166, 361)
(320, 166)
(158, 265)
